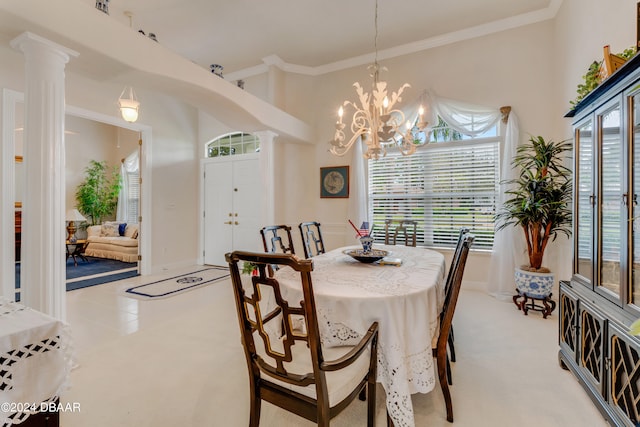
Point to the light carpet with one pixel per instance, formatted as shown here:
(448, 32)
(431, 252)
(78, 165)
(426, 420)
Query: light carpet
(178, 284)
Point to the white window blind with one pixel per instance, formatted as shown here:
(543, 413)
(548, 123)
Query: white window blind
(133, 196)
(611, 184)
(443, 186)
(585, 191)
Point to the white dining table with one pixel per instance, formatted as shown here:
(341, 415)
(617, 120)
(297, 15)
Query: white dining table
(406, 301)
(35, 361)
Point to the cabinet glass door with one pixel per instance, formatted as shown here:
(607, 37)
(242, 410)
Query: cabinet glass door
(635, 187)
(611, 178)
(583, 220)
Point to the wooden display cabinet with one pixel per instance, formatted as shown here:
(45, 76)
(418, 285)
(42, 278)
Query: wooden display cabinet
(602, 299)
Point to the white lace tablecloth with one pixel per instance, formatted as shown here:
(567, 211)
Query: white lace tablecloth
(405, 300)
(35, 360)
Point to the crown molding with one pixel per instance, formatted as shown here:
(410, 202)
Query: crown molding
(454, 37)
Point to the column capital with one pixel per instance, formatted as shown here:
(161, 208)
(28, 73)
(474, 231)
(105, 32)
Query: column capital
(27, 40)
(265, 136)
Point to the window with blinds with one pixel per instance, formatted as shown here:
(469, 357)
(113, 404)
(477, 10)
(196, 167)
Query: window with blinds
(133, 196)
(444, 186)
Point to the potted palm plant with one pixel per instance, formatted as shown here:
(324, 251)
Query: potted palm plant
(97, 195)
(539, 201)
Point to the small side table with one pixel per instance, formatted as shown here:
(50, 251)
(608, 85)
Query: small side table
(521, 300)
(76, 250)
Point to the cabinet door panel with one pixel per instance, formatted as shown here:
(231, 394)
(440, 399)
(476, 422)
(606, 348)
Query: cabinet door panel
(611, 175)
(584, 201)
(624, 375)
(592, 348)
(568, 320)
(635, 225)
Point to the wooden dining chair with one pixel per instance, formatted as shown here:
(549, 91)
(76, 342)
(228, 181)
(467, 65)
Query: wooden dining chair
(311, 238)
(446, 319)
(274, 238)
(405, 228)
(456, 254)
(287, 364)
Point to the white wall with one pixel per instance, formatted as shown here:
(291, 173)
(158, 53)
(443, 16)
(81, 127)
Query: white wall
(535, 69)
(509, 68)
(87, 140)
(583, 28)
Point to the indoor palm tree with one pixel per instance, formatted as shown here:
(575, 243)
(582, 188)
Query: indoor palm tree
(540, 198)
(97, 195)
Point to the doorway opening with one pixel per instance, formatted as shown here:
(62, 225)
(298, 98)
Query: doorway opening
(88, 135)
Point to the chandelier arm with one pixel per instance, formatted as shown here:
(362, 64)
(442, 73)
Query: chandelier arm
(341, 148)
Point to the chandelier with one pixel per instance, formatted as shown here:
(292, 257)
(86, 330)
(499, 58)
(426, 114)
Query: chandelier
(375, 118)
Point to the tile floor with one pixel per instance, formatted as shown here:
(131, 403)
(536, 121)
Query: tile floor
(179, 362)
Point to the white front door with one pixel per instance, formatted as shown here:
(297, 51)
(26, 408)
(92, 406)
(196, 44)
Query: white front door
(233, 212)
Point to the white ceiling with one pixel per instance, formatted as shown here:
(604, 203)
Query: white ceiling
(238, 34)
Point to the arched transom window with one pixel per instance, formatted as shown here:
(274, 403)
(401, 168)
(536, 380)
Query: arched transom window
(232, 144)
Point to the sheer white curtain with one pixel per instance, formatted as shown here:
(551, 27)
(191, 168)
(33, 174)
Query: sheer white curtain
(474, 120)
(357, 209)
(509, 242)
(129, 165)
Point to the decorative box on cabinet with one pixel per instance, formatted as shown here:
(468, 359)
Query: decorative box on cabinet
(602, 299)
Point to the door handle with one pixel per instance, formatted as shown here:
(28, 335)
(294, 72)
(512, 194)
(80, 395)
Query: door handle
(228, 222)
(236, 222)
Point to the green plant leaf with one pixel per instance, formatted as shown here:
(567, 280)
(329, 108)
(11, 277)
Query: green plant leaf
(539, 199)
(634, 329)
(97, 195)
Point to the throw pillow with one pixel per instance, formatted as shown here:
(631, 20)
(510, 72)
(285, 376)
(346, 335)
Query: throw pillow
(109, 230)
(121, 228)
(134, 235)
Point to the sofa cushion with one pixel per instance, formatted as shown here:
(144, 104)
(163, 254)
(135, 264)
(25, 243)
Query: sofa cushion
(131, 231)
(121, 228)
(109, 229)
(114, 241)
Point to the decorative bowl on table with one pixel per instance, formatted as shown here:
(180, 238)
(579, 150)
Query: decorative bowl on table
(366, 257)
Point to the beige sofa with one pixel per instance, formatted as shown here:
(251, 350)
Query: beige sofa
(104, 241)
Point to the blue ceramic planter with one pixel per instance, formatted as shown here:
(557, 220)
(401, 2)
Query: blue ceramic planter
(534, 285)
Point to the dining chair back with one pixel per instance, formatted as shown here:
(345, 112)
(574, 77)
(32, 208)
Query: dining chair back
(277, 238)
(311, 238)
(454, 260)
(397, 230)
(456, 254)
(287, 364)
(446, 319)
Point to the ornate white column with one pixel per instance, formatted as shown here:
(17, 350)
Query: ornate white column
(42, 272)
(267, 173)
